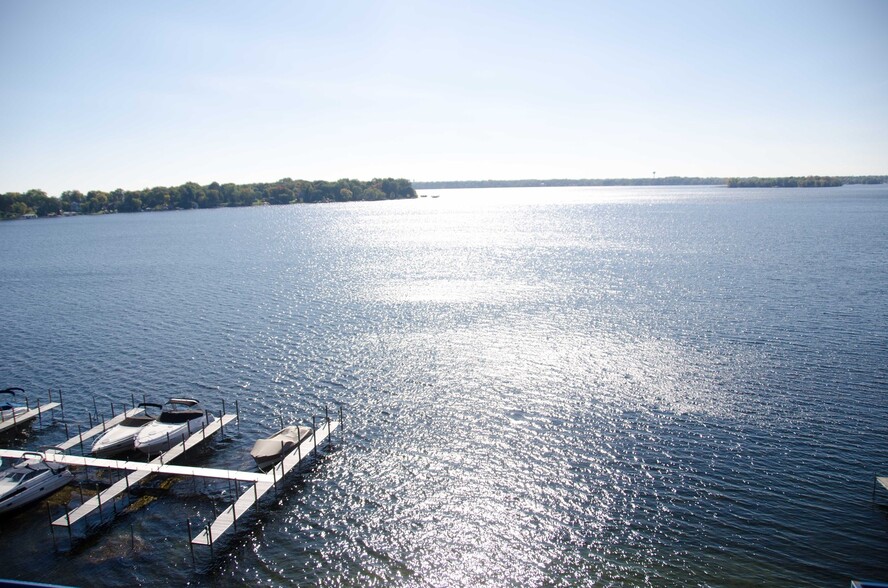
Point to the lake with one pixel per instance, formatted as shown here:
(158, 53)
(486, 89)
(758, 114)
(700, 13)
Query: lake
(547, 386)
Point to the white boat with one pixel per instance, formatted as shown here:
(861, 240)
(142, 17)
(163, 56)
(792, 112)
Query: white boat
(271, 450)
(121, 438)
(30, 480)
(180, 420)
(10, 410)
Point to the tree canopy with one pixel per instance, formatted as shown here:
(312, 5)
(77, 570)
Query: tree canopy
(191, 195)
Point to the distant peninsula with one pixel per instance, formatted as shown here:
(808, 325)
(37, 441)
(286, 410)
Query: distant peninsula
(36, 203)
(754, 182)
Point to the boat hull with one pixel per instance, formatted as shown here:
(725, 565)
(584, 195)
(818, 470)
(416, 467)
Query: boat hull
(267, 452)
(35, 490)
(158, 437)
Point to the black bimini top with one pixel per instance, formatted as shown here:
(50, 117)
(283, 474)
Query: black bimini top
(179, 416)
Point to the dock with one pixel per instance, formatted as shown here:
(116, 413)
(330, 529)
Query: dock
(228, 518)
(100, 428)
(17, 421)
(140, 470)
(134, 472)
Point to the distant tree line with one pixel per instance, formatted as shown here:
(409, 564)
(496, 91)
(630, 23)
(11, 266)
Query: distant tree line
(804, 182)
(795, 182)
(664, 181)
(191, 195)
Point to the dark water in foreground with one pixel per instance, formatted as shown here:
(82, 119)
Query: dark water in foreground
(545, 387)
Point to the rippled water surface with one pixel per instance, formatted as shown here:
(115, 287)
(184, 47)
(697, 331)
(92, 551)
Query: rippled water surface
(545, 387)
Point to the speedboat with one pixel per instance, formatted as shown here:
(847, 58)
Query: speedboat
(10, 410)
(29, 480)
(271, 450)
(180, 418)
(121, 438)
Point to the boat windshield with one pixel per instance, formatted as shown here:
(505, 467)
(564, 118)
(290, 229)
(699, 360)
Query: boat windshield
(179, 416)
(13, 476)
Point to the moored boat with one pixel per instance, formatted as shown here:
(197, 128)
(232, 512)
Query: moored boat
(180, 418)
(121, 438)
(10, 410)
(269, 451)
(30, 480)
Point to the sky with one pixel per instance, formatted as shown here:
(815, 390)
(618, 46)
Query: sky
(106, 95)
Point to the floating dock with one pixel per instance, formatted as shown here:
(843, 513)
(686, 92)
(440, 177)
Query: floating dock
(136, 471)
(17, 421)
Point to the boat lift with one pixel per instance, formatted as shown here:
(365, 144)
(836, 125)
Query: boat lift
(136, 471)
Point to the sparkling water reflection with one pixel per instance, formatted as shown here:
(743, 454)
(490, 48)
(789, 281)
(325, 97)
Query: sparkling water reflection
(555, 387)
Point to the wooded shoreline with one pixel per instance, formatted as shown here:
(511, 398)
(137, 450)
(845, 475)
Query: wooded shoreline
(789, 181)
(191, 195)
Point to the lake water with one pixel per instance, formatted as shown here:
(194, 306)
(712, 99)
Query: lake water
(546, 387)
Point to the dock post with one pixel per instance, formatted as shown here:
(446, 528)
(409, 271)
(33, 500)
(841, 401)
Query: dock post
(99, 498)
(67, 436)
(314, 441)
(327, 415)
(61, 401)
(51, 530)
(281, 419)
(222, 425)
(210, 537)
(80, 435)
(256, 498)
(112, 408)
(223, 407)
(68, 517)
(89, 414)
(190, 539)
(234, 514)
(95, 407)
(237, 414)
(274, 477)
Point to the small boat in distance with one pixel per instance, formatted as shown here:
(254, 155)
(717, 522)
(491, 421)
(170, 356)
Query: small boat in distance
(30, 480)
(269, 451)
(180, 420)
(121, 438)
(10, 410)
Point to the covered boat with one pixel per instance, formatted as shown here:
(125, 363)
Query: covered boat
(121, 438)
(181, 418)
(30, 480)
(271, 450)
(9, 409)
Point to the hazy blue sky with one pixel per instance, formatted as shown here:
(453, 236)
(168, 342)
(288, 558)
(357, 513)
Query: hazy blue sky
(101, 95)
